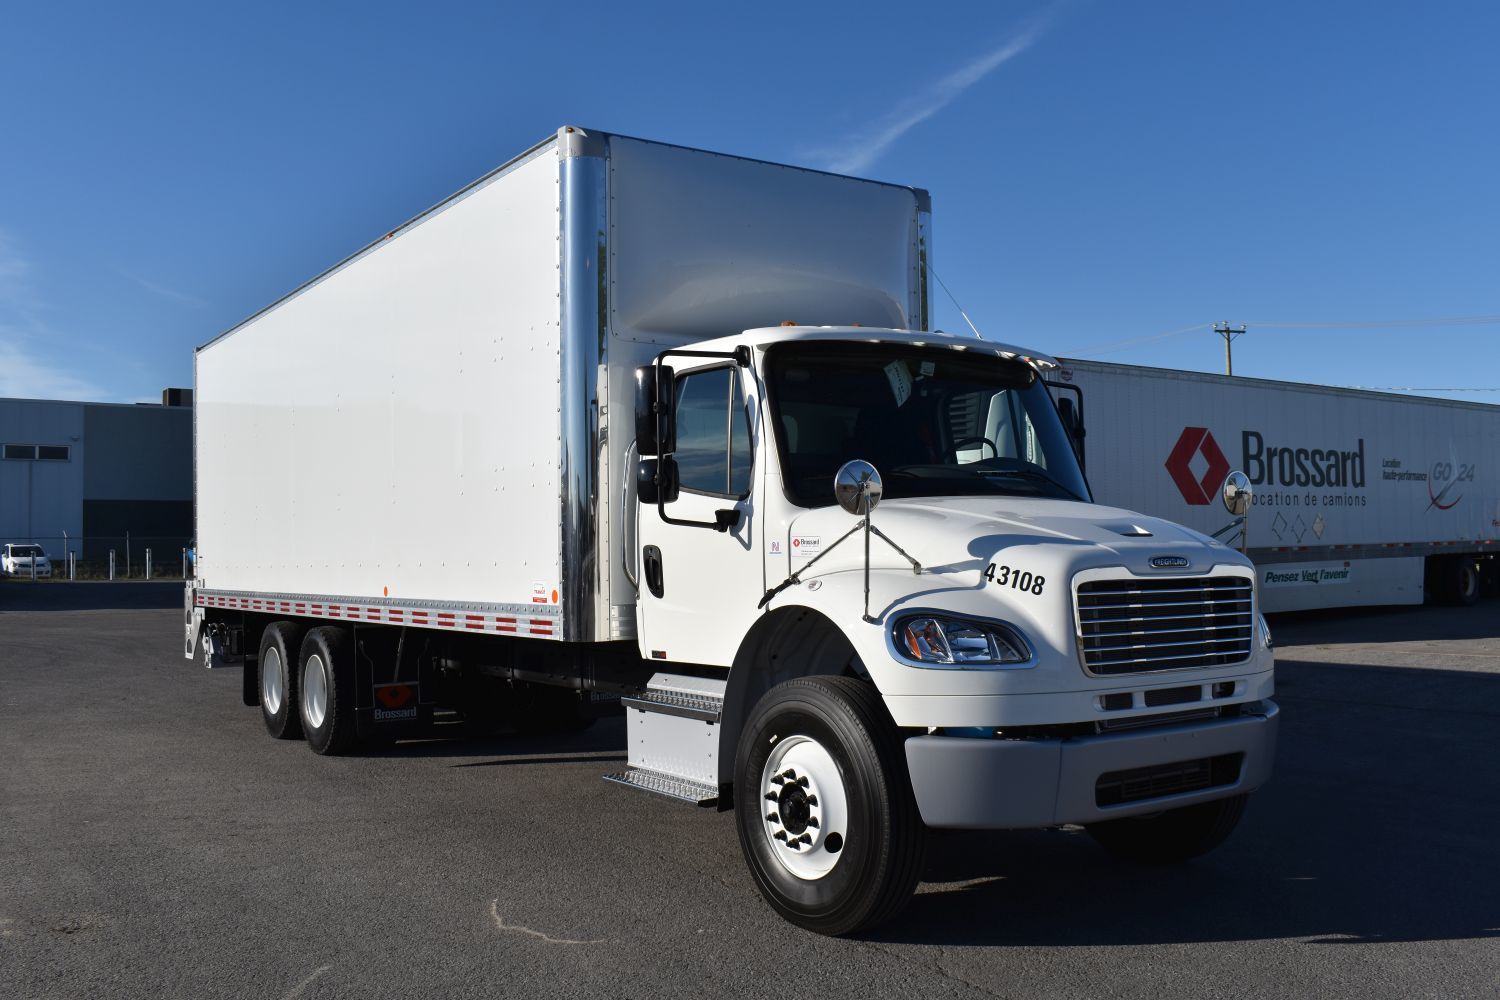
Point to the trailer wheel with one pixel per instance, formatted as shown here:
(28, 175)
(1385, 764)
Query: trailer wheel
(276, 674)
(326, 691)
(824, 808)
(1465, 573)
(1172, 836)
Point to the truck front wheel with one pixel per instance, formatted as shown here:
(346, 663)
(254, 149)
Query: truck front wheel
(1172, 836)
(326, 691)
(276, 668)
(824, 806)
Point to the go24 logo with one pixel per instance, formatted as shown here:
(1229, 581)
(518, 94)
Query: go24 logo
(1446, 477)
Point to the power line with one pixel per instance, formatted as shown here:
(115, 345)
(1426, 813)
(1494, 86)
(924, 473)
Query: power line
(1110, 347)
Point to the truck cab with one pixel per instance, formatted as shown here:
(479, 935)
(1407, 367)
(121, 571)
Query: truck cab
(827, 513)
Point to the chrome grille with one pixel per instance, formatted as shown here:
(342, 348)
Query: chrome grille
(1128, 626)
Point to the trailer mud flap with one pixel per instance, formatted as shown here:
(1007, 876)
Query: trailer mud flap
(393, 711)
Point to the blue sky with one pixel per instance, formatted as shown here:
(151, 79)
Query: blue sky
(1103, 173)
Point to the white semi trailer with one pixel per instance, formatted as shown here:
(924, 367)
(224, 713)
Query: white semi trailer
(577, 429)
(1361, 498)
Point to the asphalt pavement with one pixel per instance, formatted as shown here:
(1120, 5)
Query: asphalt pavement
(155, 842)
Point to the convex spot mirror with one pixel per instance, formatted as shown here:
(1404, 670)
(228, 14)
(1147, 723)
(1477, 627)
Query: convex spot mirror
(857, 487)
(655, 423)
(1237, 493)
(656, 480)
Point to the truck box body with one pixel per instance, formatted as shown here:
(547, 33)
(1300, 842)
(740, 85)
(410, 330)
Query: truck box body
(425, 427)
(1354, 490)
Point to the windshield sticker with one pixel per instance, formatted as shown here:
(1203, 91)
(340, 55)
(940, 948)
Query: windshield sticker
(900, 378)
(928, 368)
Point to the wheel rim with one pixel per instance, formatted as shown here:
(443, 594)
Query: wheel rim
(315, 691)
(1468, 582)
(805, 810)
(272, 681)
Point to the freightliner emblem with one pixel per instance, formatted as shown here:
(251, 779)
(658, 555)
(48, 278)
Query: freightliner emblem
(1169, 562)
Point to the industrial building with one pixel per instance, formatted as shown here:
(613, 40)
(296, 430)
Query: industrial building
(94, 477)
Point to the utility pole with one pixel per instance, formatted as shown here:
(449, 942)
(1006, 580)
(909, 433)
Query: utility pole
(1229, 333)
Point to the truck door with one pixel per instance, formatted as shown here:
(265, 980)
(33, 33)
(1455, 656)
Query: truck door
(698, 586)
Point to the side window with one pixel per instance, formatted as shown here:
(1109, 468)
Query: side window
(713, 434)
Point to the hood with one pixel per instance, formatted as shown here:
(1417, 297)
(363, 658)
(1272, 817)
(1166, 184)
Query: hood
(953, 531)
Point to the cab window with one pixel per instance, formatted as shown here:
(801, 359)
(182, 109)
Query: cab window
(713, 434)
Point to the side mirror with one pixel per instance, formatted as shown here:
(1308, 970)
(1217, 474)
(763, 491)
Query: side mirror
(655, 423)
(857, 487)
(1237, 493)
(1069, 414)
(656, 480)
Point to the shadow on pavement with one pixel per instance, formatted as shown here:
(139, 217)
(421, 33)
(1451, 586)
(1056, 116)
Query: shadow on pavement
(1378, 825)
(134, 595)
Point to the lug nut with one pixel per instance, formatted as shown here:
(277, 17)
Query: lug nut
(812, 821)
(773, 817)
(779, 834)
(771, 797)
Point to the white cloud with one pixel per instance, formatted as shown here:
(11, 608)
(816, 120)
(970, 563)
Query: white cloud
(860, 150)
(24, 371)
(164, 291)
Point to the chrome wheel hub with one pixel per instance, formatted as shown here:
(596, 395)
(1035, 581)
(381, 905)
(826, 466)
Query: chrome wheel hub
(272, 680)
(806, 808)
(315, 691)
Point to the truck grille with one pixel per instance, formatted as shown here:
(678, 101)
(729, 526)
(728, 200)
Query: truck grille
(1129, 626)
(1120, 787)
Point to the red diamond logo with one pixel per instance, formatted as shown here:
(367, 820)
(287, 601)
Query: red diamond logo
(1197, 492)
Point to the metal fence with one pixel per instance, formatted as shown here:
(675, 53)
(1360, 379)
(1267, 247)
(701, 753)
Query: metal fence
(112, 557)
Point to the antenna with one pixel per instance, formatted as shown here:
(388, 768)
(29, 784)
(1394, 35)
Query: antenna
(960, 308)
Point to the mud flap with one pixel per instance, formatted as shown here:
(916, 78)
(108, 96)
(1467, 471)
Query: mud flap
(393, 707)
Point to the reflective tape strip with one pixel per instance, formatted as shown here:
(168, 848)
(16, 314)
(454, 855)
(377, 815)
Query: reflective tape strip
(419, 617)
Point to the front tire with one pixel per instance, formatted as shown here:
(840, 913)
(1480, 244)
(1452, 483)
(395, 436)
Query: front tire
(276, 677)
(824, 807)
(326, 691)
(1173, 836)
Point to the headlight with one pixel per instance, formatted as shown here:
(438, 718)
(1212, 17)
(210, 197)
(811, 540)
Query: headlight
(1265, 633)
(937, 641)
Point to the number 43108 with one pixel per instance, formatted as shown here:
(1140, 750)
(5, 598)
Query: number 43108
(1015, 579)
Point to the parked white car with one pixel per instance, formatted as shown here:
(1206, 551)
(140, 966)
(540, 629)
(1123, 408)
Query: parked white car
(17, 559)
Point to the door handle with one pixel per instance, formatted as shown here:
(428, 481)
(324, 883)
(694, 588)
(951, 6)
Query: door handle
(651, 567)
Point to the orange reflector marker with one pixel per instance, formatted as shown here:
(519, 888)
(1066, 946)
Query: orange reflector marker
(554, 597)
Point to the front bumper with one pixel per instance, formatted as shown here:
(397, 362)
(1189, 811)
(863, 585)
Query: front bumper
(1006, 784)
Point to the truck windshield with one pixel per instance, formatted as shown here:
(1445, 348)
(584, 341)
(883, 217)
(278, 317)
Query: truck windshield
(933, 421)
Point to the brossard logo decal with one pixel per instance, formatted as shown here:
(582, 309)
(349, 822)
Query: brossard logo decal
(1265, 465)
(1196, 440)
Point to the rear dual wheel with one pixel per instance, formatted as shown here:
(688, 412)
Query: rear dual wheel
(325, 691)
(277, 670)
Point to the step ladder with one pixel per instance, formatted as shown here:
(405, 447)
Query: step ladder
(673, 732)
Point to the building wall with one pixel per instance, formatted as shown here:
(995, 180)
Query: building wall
(42, 499)
(129, 470)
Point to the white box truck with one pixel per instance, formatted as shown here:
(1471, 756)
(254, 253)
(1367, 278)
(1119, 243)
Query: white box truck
(1361, 498)
(578, 428)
